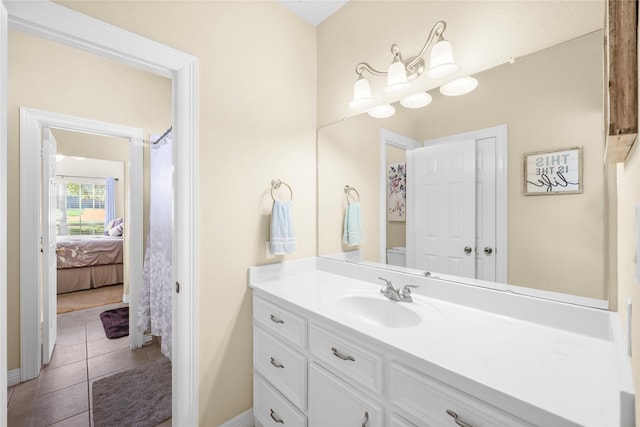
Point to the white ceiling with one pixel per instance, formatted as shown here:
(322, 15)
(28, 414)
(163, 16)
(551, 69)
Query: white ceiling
(313, 11)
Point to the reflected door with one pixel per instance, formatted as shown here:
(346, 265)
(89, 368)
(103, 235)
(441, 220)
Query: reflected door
(444, 208)
(454, 208)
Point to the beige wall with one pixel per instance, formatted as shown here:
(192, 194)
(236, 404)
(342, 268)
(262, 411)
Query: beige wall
(257, 98)
(549, 100)
(46, 76)
(628, 177)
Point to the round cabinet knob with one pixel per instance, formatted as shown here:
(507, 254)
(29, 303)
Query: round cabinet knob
(488, 250)
(467, 249)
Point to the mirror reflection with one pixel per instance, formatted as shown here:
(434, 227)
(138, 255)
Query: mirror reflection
(490, 229)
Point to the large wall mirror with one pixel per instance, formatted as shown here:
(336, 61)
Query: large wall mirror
(547, 101)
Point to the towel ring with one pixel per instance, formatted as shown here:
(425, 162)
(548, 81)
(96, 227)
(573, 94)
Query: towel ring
(275, 184)
(348, 190)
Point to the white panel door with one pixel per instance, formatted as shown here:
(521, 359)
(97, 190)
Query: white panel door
(49, 285)
(486, 209)
(445, 199)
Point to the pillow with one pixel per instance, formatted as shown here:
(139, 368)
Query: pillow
(118, 230)
(111, 224)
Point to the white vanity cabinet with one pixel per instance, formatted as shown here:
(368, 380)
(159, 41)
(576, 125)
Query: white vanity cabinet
(331, 350)
(342, 379)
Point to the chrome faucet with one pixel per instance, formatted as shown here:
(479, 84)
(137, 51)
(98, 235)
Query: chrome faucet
(394, 294)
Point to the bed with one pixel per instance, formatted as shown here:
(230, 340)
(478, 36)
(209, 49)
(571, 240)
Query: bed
(88, 262)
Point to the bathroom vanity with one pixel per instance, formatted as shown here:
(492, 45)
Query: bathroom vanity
(331, 350)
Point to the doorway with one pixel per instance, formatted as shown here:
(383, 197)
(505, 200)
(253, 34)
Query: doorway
(32, 124)
(54, 22)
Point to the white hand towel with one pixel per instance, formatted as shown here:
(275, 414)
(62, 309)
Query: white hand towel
(352, 232)
(282, 236)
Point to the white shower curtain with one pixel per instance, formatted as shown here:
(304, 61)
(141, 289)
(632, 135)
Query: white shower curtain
(109, 201)
(157, 285)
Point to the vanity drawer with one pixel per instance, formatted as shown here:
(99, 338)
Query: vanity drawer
(435, 404)
(271, 409)
(284, 367)
(290, 327)
(346, 358)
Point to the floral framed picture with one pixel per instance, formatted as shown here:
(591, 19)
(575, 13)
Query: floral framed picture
(397, 192)
(553, 172)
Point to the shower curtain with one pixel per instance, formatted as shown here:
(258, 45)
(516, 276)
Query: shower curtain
(156, 292)
(109, 201)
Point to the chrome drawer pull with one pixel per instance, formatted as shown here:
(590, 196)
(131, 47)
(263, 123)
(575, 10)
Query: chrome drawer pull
(275, 417)
(336, 353)
(277, 364)
(274, 319)
(457, 419)
(366, 419)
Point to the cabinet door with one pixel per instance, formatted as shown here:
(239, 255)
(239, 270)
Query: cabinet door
(334, 403)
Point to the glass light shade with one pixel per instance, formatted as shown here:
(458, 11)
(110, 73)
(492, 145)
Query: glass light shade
(396, 76)
(361, 95)
(459, 86)
(382, 111)
(416, 100)
(441, 63)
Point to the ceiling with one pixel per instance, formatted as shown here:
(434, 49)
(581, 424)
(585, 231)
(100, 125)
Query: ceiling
(313, 11)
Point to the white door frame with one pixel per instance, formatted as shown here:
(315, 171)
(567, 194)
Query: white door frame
(501, 133)
(4, 23)
(32, 122)
(394, 139)
(56, 23)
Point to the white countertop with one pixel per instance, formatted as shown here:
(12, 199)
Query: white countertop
(567, 374)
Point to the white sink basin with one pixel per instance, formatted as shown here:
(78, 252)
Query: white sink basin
(378, 310)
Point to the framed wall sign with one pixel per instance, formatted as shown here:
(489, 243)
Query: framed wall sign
(553, 172)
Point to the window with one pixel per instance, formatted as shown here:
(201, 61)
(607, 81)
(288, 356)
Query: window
(80, 206)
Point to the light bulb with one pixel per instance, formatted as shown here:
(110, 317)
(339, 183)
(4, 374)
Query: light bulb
(416, 100)
(396, 76)
(441, 63)
(382, 111)
(361, 95)
(459, 86)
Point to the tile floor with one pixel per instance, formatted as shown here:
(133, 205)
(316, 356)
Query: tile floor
(61, 395)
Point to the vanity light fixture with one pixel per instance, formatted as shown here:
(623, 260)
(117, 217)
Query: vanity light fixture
(400, 72)
(459, 86)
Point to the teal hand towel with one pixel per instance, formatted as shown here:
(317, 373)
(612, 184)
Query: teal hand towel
(283, 239)
(352, 231)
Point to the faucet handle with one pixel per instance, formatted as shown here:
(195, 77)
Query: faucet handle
(406, 291)
(387, 281)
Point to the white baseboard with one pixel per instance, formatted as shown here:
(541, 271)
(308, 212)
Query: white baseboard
(245, 419)
(13, 377)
